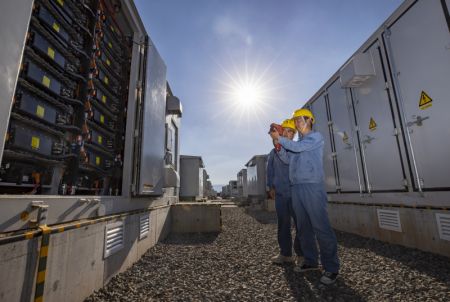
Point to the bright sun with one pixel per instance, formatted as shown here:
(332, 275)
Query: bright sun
(247, 95)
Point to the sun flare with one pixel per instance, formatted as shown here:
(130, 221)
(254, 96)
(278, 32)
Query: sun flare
(247, 92)
(247, 95)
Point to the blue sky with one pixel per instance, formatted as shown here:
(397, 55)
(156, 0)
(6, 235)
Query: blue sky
(290, 46)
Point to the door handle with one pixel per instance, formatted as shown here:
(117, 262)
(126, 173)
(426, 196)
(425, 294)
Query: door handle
(417, 120)
(368, 139)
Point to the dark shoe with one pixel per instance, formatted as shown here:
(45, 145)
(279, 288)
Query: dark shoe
(305, 267)
(328, 278)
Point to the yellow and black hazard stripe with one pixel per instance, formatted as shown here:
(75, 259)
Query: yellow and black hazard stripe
(23, 235)
(42, 264)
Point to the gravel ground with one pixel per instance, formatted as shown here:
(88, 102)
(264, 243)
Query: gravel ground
(234, 266)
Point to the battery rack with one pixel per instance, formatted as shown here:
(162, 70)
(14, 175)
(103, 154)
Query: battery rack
(66, 130)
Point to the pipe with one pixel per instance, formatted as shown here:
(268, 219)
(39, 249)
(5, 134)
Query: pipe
(59, 228)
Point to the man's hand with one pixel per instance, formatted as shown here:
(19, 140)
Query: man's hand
(275, 135)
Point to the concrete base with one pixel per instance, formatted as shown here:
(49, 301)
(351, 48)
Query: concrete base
(196, 217)
(419, 226)
(76, 266)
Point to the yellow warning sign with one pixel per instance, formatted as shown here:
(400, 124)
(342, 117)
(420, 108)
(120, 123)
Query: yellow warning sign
(56, 27)
(104, 98)
(40, 111)
(345, 138)
(100, 139)
(372, 124)
(46, 81)
(102, 119)
(35, 142)
(425, 101)
(98, 160)
(51, 53)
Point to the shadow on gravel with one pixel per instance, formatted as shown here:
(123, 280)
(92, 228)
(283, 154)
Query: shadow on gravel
(261, 216)
(191, 238)
(307, 287)
(433, 265)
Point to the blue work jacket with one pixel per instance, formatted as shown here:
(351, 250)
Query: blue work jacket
(278, 174)
(305, 158)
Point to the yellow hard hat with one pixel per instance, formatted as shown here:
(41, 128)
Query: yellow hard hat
(303, 112)
(289, 123)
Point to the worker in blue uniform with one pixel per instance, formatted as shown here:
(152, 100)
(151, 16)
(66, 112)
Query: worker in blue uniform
(278, 187)
(309, 197)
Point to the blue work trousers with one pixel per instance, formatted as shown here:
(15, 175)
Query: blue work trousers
(285, 213)
(309, 201)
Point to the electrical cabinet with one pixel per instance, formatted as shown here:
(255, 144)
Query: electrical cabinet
(69, 102)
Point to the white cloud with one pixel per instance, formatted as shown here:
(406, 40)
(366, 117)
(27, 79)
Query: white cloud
(229, 28)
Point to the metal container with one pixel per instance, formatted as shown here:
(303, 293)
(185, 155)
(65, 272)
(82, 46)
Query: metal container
(191, 177)
(256, 177)
(383, 115)
(139, 125)
(242, 183)
(233, 188)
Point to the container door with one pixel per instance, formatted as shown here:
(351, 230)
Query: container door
(350, 178)
(420, 53)
(153, 127)
(261, 175)
(252, 179)
(319, 109)
(14, 25)
(200, 182)
(377, 131)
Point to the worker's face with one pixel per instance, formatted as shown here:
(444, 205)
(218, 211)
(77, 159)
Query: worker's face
(288, 133)
(302, 125)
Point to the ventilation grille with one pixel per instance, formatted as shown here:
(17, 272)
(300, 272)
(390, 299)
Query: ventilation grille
(144, 226)
(114, 238)
(443, 222)
(389, 220)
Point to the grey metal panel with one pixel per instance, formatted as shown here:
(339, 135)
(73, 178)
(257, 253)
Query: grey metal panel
(153, 129)
(13, 29)
(345, 140)
(420, 43)
(319, 109)
(256, 175)
(201, 185)
(242, 183)
(174, 106)
(189, 177)
(252, 172)
(381, 149)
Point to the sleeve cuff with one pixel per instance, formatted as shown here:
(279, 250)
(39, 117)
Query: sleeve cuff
(282, 140)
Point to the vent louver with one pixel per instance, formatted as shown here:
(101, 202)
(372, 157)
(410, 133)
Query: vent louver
(389, 220)
(114, 238)
(144, 226)
(443, 222)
